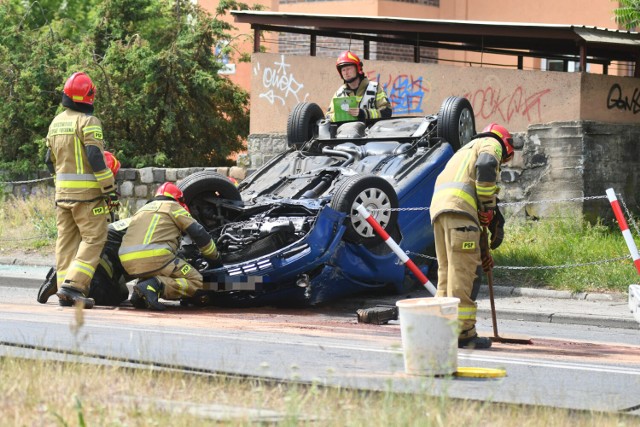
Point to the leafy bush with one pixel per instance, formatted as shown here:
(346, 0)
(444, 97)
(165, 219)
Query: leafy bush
(159, 94)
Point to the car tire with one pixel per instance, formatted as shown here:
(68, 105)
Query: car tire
(208, 183)
(302, 123)
(456, 121)
(373, 192)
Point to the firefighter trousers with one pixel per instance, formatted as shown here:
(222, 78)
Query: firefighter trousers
(457, 239)
(180, 279)
(82, 233)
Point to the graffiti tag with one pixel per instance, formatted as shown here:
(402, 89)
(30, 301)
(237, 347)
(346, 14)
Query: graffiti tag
(279, 83)
(406, 93)
(616, 100)
(491, 103)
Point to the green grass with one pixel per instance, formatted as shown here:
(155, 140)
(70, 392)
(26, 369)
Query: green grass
(569, 244)
(41, 392)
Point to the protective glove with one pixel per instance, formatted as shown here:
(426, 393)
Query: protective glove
(496, 227)
(215, 262)
(487, 261)
(485, 253)
(485, 217)
(113, 201)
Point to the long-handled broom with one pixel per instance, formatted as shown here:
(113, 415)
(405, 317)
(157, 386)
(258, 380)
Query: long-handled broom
(496, 337)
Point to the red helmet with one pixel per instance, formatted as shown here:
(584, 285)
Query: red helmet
(506, 138)
(80, 88)
(349, 58)
(169, 189)
(112, 162)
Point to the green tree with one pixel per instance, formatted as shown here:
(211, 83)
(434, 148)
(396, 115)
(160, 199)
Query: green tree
(628, 14)
(159, 94)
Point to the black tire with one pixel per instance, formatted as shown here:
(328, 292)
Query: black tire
(208, 183)
(302, 123)
(456, 122)
(201, 191)
(373, 192)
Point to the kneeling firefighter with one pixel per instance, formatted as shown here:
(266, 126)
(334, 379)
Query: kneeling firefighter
(150, 245)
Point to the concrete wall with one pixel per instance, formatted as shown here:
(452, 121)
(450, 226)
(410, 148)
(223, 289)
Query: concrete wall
(573, 160)
(514, 98)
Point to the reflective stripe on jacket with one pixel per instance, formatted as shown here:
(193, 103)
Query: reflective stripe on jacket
(154, 235)
(370, 96)
(469, 180)
(69, 133)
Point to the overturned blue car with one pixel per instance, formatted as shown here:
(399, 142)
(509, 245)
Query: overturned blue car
(290, 234)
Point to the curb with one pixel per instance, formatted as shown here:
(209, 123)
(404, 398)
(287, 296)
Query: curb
(29, 260)
(561, 319)
(513, 291)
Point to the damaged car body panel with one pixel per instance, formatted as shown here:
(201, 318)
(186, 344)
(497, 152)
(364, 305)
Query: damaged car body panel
(290, 234)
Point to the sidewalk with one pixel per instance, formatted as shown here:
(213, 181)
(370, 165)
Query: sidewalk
(512, 303)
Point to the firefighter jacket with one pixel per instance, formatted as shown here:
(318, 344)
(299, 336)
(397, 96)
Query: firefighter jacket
(468, 182)
(69, 133)
(371, 99)
(154, 236)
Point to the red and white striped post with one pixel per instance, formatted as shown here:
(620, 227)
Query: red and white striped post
(396, 249)
(622, 222)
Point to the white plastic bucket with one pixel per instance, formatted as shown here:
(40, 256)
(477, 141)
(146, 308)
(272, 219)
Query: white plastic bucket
(429, 328)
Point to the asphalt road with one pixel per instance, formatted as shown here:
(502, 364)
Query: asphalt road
(569, 365)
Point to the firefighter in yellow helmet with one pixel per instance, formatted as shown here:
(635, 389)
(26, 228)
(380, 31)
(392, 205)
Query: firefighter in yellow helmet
(85, 190)
(149, 248)
(464, 201)
(372, 101)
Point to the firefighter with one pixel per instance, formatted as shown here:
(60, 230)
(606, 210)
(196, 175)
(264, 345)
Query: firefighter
(149, 249)
(373, 102)
(85, 190)
(108, 286)
(464, 201)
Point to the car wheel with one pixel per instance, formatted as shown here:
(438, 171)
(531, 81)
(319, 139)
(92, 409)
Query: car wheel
(201, 190)
(208, 183)
(375, 194)
(456, 122)
(302, 123)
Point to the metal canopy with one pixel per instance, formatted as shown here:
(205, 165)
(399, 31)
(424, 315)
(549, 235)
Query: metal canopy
(566, 42)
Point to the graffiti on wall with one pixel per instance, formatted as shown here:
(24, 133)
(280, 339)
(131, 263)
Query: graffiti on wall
(491, 103)
(406, 92)
(279, 83)
(616, 100)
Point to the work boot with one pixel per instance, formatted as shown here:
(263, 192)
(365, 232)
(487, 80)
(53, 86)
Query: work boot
(148, 291)
(49, 287)
(72, 296)
(475, 342)
(136, 300)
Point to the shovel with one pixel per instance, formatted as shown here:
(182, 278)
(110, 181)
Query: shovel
(496, 337)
